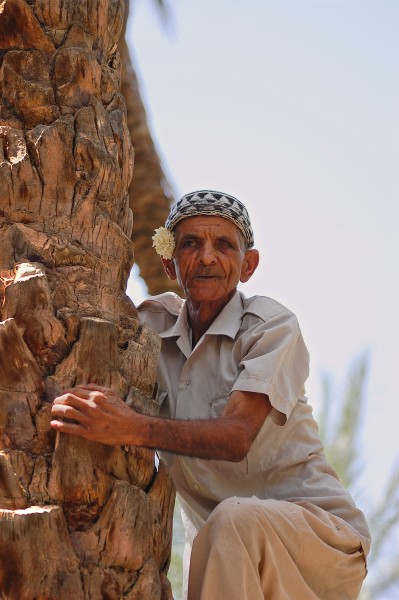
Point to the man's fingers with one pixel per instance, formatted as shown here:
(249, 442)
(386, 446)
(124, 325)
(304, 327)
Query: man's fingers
(71, 399)
(92, 414)
(78, 398)
(78, 392)
(67, 427)
(66, 411)
(70, 402)
(82, 392)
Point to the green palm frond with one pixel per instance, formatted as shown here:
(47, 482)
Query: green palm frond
(340, 424)
(325, 410)
(341, 417)
(386, 515)
(386, 583)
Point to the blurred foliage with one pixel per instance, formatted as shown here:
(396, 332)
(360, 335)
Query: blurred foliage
(340, 421)
(175, 573)
(166, 14)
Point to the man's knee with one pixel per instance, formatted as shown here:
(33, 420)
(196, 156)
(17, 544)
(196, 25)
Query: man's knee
(240, 513)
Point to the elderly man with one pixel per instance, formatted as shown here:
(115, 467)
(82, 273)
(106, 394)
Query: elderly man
(264, 512)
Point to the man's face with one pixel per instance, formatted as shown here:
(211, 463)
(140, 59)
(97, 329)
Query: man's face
(209, 259)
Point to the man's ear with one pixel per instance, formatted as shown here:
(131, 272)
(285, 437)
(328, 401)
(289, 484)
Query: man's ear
(250, 262)
(169, 267)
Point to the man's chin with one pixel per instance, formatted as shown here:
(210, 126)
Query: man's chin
(208, 284)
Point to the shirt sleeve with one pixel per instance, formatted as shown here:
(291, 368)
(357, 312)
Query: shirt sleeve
(160, 312)
(274, 361)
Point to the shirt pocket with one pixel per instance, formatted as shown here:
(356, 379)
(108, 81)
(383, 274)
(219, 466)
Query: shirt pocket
(252, 463)
(267, 445)
(226, 468)
(264, 449)
(218, 405)
(162, 400)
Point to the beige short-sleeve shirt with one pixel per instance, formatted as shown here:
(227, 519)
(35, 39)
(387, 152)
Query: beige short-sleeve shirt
(255, 344)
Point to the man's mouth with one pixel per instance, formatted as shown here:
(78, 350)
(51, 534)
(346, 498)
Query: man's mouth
(206, 274)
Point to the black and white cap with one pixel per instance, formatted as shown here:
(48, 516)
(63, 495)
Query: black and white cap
(212, 203)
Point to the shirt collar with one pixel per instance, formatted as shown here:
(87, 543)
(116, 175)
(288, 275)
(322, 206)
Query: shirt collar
(227, 323)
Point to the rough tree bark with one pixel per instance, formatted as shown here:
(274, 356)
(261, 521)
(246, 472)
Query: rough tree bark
(150, 194)
(77, 519)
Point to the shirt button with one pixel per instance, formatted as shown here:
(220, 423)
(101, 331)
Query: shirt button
(187, 383)
(196, 486)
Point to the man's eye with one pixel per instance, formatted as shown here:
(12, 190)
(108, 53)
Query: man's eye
(224, 244)
(188, 243)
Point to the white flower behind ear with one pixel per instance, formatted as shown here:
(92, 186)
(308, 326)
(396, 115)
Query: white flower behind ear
(163, 241)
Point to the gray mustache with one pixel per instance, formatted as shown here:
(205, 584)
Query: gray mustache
(206, 272)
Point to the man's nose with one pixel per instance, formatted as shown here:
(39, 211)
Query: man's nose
(207, 254)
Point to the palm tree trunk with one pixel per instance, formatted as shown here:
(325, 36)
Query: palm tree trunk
(150, 194)
(77, 519)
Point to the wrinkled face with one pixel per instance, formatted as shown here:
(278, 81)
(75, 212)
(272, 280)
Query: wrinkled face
(210, 259)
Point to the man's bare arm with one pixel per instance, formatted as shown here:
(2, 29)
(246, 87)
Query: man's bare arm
(100, 415)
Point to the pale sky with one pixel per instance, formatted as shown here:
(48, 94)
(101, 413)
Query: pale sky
(293, 107)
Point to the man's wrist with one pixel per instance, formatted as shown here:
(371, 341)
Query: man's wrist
(137, 428)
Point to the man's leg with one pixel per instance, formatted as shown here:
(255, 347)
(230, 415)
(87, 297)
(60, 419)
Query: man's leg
(251, 549)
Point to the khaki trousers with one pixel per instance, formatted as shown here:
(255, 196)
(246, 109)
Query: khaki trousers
(251, 549)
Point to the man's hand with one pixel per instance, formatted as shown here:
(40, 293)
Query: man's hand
(98, 414)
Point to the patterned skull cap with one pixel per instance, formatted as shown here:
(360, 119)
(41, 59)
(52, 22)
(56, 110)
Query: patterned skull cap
(212, 203)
